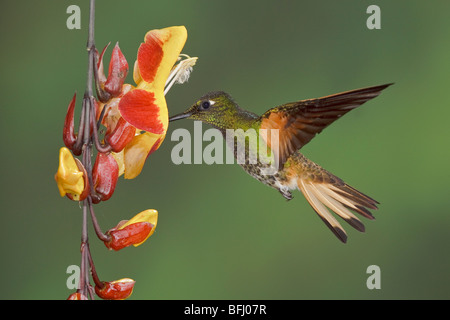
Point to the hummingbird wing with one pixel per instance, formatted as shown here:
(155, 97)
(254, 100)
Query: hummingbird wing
(298, 122)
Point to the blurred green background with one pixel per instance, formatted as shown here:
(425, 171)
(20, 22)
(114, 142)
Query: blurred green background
(222, 234)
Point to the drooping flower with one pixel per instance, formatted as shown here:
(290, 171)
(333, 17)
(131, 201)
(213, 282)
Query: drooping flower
(115, 290)
(71, 177)
(69, 136)
(77, 296)
(136, 119)
(104, 175)
(134, 231)
(118, 69)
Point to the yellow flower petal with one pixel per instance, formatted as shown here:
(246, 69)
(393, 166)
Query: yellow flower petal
(158, 54)
(145, 107)
(68, 177)
(120, 161)
(137, 151)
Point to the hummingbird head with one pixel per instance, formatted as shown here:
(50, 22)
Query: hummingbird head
(216, 108)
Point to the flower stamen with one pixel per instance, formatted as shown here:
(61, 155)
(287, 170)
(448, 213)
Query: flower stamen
(180, 72)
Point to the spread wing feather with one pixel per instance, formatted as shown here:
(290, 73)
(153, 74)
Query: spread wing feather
(298, 122)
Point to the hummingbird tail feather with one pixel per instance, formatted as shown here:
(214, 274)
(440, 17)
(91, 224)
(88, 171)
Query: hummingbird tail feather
(340, 198)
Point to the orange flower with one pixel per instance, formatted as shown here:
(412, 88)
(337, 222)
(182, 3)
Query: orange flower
(115, 290)
(77, 296)
(134, 231)
(137, 118)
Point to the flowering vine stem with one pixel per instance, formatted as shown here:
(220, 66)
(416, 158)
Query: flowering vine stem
(88, 112)
(136, 121)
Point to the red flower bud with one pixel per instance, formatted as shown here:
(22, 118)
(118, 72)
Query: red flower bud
(134, 231)
(101, 74)
(118, 70)
(115, 290)
(69, 136)
(105, 174)
(77, 296)
(132, 234)
(122, 134)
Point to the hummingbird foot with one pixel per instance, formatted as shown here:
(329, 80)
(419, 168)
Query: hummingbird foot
(286, 194)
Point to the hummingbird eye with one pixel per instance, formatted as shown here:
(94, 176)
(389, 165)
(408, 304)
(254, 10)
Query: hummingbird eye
(206, 104)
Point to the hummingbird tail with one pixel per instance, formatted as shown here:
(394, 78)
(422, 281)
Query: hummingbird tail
(340, 198)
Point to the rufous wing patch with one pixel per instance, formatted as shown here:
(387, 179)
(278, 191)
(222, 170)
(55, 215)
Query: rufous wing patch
(298, 122)
(290, 134)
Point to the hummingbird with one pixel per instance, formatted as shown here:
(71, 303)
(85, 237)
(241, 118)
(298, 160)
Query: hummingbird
(297, 123)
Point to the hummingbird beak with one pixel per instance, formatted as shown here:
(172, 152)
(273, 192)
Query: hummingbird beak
(183, 115)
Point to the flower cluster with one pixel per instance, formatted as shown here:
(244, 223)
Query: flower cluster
(133, 121)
